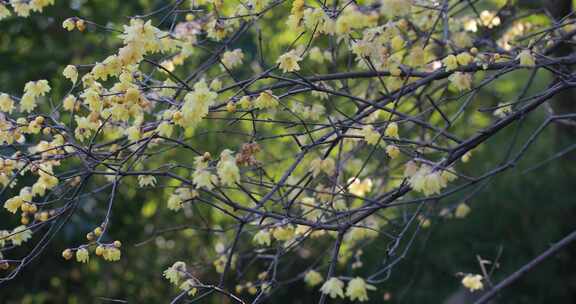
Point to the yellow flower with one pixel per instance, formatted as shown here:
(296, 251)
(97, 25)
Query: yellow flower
(21, 235)
(146, 181)
(175, 272)
(37, 88)
(67, 254)
(489, 19)
(371, 136)
(333, 288)
(428, 182)
(262, 238)
(165, 129)
(204, 179)
(232, 59)
(69, 103)
(69, 24)
(464, 58)
(217, 29)
(6, 103)
(313, 278)
(357, 289)
(13, 203)
(288, 62)
(397, 43)
(526, 58)
(216, 84)
(71, 73)
(266, 100)
(391, 130)
(197, 104)
(188, 286)
(283, 233)
(450, 62)
(392, 151)
(111, 254)
(179, 197)
(466, 157)
(82, 255)
(245, 102)
(27, 103)
(358, 187)
(462, 81)
(462, 210)
(503, 110)
(227, 169)
(473, 282)
(84, 127)
(4, 12)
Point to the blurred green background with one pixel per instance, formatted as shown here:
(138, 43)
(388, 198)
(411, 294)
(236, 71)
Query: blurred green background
(517, 213)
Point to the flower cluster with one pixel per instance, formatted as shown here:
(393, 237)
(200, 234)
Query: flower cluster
(24, 8)
(429, 181)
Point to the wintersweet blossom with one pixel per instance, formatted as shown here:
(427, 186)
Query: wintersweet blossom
(188, 286)
(37, 88)
(202, 176)
(12, 204)
(227, 169)
(175, 272)
(111, 254)
(464, 58)
(197, 104)
(179, 197)
(69, 103)
(6, 103)
(69, 24)
(503, 110)
(82, 255)
(313, 278)
(70, 72)
(462, 81)
(391, 130)
(371, 136)
(462, 210)
(392, 151)
(288, 62)
(473, 282)
(360, 187)
(526, 58)
(266, 100)
(333, 287)
(67, 254)
(232, 59)
(358, 289)
(20, 235)
(283, 233)
(489, 19)
(165, 129)
(262, 238)
(146, 181)
(4, 12)
(450, 62)
(430, 182)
